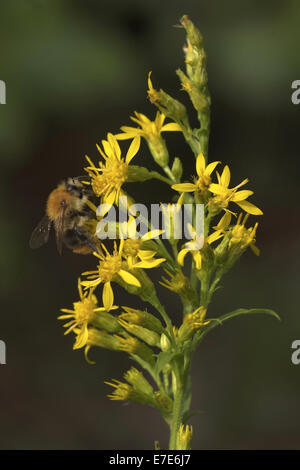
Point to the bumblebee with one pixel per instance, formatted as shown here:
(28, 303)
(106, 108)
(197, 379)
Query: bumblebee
(67, 211)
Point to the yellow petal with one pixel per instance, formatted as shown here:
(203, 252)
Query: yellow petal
(152, 234)
(126, 134)
(185, 187)
(150, 263)
(241, 195)
(131, 227)
(181, 256)
(249, 207)
(129, 278)
(86, 352)
(107, 296)
(210, 168)
(224, 222)
(146, 254)
(225, 177)
(107, 149)
(88, 284)
(255, 249)
(110, 197)
(82, 338)
(65, 317)
(214, 236)
(198, 259)
(133, 149)
(114, 145)
(216, 188)
(150, 86)
(200, 164)
(171, 126)
(159, 119)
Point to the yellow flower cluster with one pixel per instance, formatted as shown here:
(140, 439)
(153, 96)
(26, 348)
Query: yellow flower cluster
(163, 349)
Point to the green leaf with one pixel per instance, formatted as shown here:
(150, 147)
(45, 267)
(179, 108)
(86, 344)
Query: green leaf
(164, 358)
(187, 417)
(248, 311)
(235, 313)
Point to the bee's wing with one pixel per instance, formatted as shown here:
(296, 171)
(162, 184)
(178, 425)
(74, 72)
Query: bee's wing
(40, 235)
(59, 229)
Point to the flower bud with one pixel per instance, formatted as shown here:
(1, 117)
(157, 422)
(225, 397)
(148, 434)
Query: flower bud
(177, 168)
(193, 34)
(148, 336)
(138, 381)
(191, 323)
(106, 321)
(159, 151)
(165, 344)
(136, 347)
(138, 173)
(125, 392)
(102, 339)
(145, 319)
(184, 437)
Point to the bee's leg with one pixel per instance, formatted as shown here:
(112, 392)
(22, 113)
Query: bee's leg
(85, 238)
(81, 178)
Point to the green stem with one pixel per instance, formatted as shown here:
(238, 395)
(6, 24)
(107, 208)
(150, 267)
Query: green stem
(191, 140)
(204, 119)
(168, 172)
(160, 177)
(177, 410)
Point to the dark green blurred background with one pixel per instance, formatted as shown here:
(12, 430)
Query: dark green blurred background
(75, 70)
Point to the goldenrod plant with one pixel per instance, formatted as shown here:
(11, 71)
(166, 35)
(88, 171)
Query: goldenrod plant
(192, 269)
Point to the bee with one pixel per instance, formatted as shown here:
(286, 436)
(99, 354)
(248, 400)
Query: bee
(67, 211)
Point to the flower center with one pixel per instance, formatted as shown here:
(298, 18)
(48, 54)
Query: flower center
(116, 173)
(238, 233)
(203, 182)
(109, 267)
(99, 184)
(84, 309)
(131, 247)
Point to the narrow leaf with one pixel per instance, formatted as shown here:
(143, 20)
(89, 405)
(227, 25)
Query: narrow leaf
(235, 313)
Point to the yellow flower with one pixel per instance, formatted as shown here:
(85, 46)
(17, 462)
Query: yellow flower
(194, 246)
(191, 323)
(135, 250)
(81, 315)
(178, 282)
(152, 93)
(109, 268)
(122, 391)
(240, 235)
(184, 437)
(243, 236)
(108, 179)
(224, 195)
(150, 130)
(203, 181)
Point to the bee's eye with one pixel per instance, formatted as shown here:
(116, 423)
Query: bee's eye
(70, 187)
